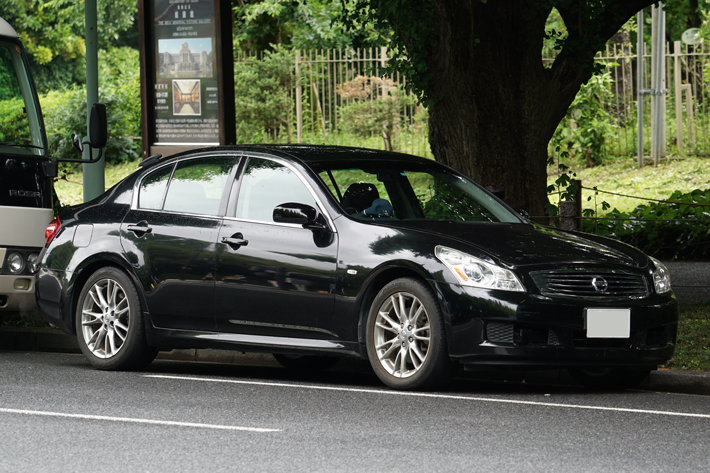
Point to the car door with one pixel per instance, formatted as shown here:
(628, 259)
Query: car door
(170, 237)
(274, 280)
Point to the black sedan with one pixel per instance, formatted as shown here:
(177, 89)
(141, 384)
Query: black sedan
(318, 253)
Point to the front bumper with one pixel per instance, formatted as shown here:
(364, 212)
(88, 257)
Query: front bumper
(13, 299)
(527, 330)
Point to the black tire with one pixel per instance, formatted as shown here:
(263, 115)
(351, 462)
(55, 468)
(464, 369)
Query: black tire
(109, 323)
(411, 355)
(306, 362)
(608, 379)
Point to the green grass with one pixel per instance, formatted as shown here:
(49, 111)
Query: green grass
(622, 176)
(693, 345)
(70, 188)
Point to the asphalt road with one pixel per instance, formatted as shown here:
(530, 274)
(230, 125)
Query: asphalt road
(59, 415)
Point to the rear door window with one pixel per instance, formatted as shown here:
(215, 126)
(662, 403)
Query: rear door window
(152, 189)
(196, 186)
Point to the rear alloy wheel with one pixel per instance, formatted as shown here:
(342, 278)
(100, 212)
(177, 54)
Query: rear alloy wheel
(610, 379)
(406, 340)
(109, 323)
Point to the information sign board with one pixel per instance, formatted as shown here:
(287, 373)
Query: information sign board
(185, 84)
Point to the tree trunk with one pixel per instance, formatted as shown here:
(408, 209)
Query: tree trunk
(496, 106)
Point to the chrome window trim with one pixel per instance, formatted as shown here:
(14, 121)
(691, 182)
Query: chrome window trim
(187, 214)
(137, 185)
(297, 172)
(275, 224)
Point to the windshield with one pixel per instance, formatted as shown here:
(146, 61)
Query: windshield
(21, 126)
(408, 191)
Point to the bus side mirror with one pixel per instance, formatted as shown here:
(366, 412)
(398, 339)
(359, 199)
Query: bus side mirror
(98, 128)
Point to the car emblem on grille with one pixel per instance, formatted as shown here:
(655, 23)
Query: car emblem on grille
(600, 284)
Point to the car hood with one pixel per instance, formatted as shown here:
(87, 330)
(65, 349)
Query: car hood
(521, 244)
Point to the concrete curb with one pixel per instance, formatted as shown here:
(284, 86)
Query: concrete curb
(53, 340)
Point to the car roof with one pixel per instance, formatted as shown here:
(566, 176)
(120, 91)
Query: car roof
(306, 153)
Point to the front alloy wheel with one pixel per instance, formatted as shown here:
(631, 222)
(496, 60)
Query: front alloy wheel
(402, 334)
(109, 322)
(406, 343)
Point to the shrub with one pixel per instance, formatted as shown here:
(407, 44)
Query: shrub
(588, 125)
(668, 231)
(262, 91)
(376, 107)
(13, 121)
(65, 110)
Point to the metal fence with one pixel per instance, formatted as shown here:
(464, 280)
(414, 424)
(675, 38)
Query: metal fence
(318, 100)
(332, 80)
(686, 97)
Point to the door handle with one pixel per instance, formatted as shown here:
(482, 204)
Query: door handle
(235, 241)
(140, 229)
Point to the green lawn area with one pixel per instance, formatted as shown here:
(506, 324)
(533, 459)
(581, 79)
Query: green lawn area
(70, 189)
(693, 347)
(622, 176)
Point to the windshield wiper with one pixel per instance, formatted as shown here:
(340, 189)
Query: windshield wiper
(21, 145)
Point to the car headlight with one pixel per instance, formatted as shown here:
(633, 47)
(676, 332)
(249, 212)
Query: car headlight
(15, 263)
(661, 277)
(33, 263)
(471, 271)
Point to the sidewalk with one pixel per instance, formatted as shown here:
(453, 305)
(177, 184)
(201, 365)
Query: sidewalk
(690, 281)
(52, 340)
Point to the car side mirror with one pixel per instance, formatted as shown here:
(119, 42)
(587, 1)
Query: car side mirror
(298, 214)
(98, 136)
(98, 127)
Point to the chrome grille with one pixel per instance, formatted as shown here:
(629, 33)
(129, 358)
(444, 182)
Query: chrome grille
(590, 283)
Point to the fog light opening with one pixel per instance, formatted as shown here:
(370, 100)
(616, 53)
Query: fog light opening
(22, 284)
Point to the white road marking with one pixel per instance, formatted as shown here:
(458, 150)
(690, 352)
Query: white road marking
(135, 421)
(432, 395)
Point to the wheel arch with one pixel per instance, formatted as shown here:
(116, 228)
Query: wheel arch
(379, 279)
(88, 268)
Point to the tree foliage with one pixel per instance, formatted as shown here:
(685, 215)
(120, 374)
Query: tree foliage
(260, 24)
(53, 33)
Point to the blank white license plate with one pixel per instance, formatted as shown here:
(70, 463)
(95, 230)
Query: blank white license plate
(608, 323)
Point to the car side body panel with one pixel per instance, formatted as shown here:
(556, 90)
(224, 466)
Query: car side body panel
(224, 282)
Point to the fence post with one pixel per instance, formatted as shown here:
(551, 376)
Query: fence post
(678, 96)
(571, 210)
(299, 105)
(690, 112)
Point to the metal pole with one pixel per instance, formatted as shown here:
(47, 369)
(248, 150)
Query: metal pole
(299, 105)
(663, 83)
(93, 174)
(639, 86)
(655, 86)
